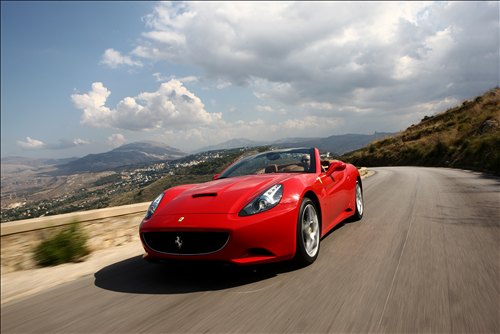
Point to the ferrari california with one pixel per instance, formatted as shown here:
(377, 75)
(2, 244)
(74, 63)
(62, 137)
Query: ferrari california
(271, 206)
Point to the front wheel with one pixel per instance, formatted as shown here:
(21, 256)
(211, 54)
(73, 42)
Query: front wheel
(359, 203)
(308, 234)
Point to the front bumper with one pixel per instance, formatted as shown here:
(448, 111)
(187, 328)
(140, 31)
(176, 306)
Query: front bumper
(265, 237)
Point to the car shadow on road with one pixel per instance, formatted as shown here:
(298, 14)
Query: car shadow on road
(136, 275)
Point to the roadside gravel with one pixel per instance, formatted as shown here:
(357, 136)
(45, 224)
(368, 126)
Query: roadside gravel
(24, 283)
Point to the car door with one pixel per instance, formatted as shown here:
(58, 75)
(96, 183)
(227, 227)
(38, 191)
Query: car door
(335, 194)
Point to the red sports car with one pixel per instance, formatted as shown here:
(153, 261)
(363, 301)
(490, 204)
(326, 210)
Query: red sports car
(268, 207)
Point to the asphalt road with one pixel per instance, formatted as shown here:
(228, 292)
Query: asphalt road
(425, 258)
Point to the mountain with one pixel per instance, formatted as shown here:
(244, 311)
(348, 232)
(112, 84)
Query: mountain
(466, 136)
(139, 153)
(337, 144)
(35, 162)
(19, 164)
(232, 143)
(293, 140)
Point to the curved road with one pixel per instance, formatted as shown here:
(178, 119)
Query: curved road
(425, 258)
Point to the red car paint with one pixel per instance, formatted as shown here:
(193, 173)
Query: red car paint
(258, 238)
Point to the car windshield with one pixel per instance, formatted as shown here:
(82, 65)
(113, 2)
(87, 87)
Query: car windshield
(301, 160)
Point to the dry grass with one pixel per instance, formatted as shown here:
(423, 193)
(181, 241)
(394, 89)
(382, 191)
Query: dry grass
(467, 136)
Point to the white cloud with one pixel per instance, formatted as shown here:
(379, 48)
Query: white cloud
(259, 129)
(95, 113)
(172, 106)
(79, 141)
(317, 68)
(114, 59)
(403, 53)
(159, 77)
(188, 79)
(31, 144)
(270, 109)
(221, 84)
(67, 143)
(308, 126)
(318, 105)
(34, 144)
(116, 139)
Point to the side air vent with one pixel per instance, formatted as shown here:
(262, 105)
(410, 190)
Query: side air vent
(205, 195)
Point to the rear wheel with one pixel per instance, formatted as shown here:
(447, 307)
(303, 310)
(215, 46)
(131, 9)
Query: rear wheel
(359, 203)
(308, 233)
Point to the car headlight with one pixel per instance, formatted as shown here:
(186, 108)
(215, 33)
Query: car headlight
(265, 201)
(153, 206)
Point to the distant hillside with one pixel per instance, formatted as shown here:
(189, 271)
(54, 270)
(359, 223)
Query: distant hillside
(35, 162)
(337, 144)
(205, 167)
(467, 136)
(138, 153)
(22, 164)
(233, 143)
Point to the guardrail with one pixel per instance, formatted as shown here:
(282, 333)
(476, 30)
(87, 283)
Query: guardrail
(104, 227)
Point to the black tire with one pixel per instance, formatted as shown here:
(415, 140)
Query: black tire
(308, 234)
(358, 202)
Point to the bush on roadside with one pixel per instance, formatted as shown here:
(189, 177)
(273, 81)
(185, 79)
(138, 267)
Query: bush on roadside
(68, 245)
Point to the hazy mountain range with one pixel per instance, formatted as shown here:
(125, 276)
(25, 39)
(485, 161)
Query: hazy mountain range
(338, 144)
(143, 153)
(138, 153)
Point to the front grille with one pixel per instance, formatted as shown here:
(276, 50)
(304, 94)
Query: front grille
(186, 243)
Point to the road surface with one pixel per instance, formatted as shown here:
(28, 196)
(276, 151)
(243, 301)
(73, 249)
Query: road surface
(425, 258)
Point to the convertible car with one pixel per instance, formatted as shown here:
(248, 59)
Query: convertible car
(271, 206)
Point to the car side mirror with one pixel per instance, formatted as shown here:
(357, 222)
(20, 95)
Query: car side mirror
(335, 166)
(216, 176)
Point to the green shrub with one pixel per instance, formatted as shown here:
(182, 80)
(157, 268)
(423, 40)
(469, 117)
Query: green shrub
(68, 245)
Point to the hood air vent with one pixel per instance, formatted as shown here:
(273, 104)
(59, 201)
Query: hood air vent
(205, 195)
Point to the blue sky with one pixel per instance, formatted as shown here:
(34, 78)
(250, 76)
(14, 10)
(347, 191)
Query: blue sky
(84, 77)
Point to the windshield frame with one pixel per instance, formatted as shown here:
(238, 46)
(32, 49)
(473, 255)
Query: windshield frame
(232, 171)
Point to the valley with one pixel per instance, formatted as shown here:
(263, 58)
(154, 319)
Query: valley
(131, 173)
(36, 192)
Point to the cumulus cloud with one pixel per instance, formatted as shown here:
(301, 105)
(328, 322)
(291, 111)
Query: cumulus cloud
(384, 56)
(114, 59)
(95, 113)
(259, 129)
(315, 68)
(31, 144)
(172, 106)
(116, 139)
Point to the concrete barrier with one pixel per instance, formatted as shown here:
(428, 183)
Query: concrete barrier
(104, 227)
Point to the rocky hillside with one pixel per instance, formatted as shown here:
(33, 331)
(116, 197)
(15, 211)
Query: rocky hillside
(467, 136)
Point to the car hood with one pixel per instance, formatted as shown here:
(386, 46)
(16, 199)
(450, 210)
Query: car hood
(221, 196)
